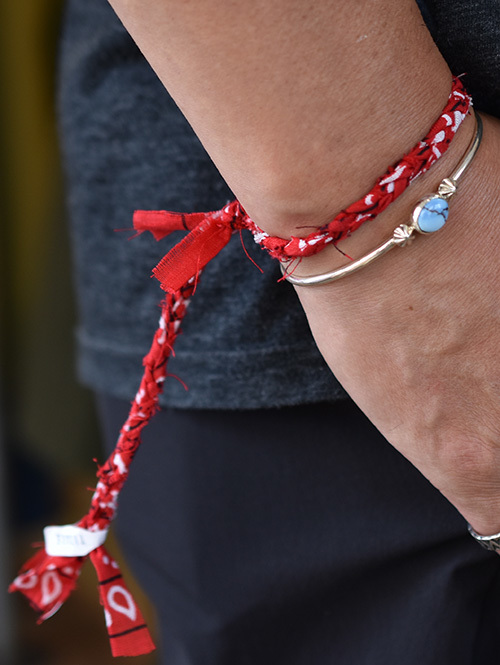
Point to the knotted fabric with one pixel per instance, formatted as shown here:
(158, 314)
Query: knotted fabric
(51, 574)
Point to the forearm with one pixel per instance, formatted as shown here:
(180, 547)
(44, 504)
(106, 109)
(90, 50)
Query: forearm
(300, 106)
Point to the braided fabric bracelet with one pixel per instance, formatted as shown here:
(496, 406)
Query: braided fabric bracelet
(429, 215)
(48, 578)
(385, 190)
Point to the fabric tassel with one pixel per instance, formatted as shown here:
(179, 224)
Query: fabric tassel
(47, 579)
(127, 630)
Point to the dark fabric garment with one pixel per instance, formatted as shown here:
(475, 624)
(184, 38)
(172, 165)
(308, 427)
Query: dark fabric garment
(127, 146)
(299, 537)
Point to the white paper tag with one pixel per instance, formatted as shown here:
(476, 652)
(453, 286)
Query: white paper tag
(71, 540)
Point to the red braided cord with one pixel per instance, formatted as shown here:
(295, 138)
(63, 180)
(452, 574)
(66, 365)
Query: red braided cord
(113, 474)
(48, 580)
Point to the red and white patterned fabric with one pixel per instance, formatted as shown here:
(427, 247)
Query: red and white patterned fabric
(47, 579)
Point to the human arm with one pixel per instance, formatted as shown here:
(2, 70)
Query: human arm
(301, 109)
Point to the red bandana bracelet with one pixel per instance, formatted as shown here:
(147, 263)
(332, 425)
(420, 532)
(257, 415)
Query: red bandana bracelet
(49, 576)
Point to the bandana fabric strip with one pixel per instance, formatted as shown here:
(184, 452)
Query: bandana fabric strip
(161, 223)
(47, 580)
(192, 254)
(127, 630)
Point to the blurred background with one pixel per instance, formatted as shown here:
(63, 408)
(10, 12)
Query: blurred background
(48, 430)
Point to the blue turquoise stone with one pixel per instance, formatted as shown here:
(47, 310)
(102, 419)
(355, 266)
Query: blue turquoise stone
(433, 215)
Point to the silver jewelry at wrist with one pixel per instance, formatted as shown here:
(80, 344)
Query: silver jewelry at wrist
(491, 543)
(429, 215)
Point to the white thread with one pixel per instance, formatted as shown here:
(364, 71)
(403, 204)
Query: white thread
(118, 461)
(394, 176)
(440, 136)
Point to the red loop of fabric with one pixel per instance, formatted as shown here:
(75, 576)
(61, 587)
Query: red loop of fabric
(162, 222)
(127, 630)
(46, 580)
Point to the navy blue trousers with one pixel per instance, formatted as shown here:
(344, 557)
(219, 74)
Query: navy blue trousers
(299, 537)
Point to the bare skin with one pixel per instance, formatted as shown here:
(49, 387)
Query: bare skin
(301, 108)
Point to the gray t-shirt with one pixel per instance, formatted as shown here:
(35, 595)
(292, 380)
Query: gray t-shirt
(126, 146)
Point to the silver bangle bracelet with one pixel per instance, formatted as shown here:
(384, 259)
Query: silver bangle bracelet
(429, 215)
(491, 543)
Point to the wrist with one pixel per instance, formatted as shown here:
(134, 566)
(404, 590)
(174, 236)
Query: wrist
(325, 150)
